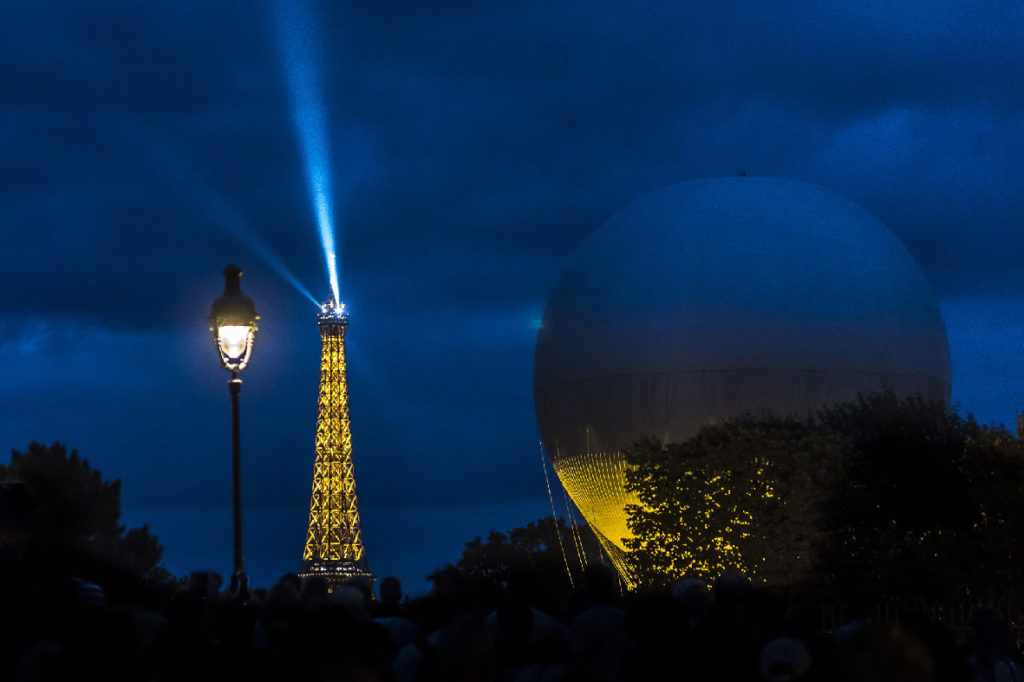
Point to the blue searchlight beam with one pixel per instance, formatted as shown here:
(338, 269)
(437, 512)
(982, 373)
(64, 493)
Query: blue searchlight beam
(299, 44)
(178, 172)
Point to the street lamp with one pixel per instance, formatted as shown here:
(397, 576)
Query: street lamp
(233, 323)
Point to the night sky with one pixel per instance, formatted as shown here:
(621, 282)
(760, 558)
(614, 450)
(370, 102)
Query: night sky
(472, 147)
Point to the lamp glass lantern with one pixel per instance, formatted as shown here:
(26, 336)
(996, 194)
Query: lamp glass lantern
(233, 322)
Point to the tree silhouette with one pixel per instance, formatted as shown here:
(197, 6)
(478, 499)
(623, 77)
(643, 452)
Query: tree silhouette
(57, 502)
(880, 496)
(534, 548)
(925, 502)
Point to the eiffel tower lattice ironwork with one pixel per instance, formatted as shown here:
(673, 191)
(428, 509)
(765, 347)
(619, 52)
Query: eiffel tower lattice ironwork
(334, 542)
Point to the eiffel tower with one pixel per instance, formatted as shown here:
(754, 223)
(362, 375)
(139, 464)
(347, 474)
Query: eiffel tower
(334, 542)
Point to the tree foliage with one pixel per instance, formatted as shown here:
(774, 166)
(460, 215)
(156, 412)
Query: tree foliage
(994, 467)
(534, 548)
(925, 503)
(703, 509)
(881, 495)
(57, 502)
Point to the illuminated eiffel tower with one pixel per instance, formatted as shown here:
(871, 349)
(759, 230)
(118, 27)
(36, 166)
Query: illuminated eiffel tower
(334, 541)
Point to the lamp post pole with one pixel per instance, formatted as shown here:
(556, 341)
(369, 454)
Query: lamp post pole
(238, 578)
(233, 323)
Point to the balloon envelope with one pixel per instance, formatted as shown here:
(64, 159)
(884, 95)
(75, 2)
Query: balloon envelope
(715, 298)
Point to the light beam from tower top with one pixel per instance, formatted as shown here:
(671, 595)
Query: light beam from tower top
(298, 40)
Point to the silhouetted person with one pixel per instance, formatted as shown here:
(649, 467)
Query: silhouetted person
(445, 610)
(389, 602)
(313, 593)
(530, 642)
(277, 634)
(658, 630)
(600, 587)
(993, 653)
(391, 616)
(784, 659)
(727, 641)
(597, 627)
(694, 598)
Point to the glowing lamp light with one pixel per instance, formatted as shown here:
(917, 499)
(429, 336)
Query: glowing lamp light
(233, 322)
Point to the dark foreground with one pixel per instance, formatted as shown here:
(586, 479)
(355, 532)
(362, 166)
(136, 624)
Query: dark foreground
(65, 628)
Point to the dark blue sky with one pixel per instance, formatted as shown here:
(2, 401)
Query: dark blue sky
(474, 145)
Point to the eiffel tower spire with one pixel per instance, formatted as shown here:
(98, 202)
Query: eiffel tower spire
(334, 541)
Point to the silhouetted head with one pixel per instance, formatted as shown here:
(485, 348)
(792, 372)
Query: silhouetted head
(465, 651)
(390, 591)
(364, 585)
(207, 583)
(19, 511)
(524, 583)
(784, 659)
(314, 592)
(292, 579)
(602, 582)
(282, 601)
(692, 594)
(352, 599)
(731, 588)
(656, 621)
(448, 582)
(991, 639)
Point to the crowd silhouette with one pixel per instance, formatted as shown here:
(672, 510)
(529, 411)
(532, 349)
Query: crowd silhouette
(58, 628)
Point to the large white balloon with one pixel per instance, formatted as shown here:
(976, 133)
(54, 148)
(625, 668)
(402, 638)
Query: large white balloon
(714, 298)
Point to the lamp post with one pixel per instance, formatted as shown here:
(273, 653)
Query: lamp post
(233, 323)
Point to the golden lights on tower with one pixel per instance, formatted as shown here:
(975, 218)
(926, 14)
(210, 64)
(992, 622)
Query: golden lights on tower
(334, 543)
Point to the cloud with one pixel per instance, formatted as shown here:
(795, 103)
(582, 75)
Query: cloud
(500, 128)
(474, 145)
